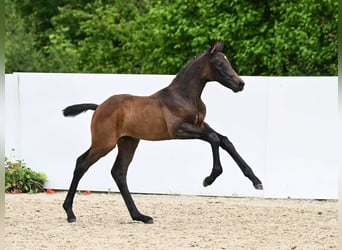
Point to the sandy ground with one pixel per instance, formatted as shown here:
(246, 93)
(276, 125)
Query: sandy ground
(180, 222)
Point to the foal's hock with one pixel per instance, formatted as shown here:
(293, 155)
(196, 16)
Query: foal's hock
(174, 112)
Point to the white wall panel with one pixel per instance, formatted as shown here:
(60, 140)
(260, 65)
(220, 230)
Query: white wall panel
(284, 127)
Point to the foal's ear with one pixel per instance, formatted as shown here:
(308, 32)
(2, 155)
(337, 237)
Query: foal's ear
(217, 47)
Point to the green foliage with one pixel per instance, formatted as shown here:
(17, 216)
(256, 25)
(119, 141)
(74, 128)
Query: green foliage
(296, 37)
(261, 38)
(21, 179)
(306, 32)
(20, 51)
(107, 36)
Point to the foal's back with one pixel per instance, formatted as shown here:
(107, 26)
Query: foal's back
(141, 117)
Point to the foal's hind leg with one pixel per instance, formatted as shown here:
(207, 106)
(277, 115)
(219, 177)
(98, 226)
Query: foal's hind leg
(126, 149)
(83, 163)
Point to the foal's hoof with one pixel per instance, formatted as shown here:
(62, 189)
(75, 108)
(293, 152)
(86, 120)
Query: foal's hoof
(70, 216)
(144, 218)
(207, 182)
(149, 221)
(70, 220)
(258, 186)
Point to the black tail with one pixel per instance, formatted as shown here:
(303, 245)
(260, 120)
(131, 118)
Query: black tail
(76, 109)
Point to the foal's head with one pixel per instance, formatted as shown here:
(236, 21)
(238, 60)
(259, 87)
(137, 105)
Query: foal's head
(220, 70)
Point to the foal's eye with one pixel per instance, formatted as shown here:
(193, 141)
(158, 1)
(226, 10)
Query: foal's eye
(220, 64)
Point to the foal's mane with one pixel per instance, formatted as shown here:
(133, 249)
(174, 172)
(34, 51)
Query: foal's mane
(188, 65)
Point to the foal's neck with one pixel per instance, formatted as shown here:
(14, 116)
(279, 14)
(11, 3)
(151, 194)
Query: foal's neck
(190, 82)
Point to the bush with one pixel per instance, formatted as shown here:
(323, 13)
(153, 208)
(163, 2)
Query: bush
(290, 38)
(21, 179)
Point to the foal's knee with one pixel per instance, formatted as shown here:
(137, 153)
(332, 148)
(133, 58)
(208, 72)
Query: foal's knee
(214, 139)
(225, 143)
(224, 140)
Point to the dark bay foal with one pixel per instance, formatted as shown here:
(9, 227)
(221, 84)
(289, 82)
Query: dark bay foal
(175, 112)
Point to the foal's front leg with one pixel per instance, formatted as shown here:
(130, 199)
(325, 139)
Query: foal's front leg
(245, 168)
(189, 131)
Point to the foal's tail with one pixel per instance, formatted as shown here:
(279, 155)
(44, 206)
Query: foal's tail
(76, 109)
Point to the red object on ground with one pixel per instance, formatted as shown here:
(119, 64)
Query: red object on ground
(86, 192)
(50, 191)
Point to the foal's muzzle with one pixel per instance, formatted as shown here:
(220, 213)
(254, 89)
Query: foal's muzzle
(239, 85)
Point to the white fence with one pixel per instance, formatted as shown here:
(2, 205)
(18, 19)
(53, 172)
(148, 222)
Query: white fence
(284, 127)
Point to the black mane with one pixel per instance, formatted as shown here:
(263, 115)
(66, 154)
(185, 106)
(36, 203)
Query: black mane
(183, 70)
